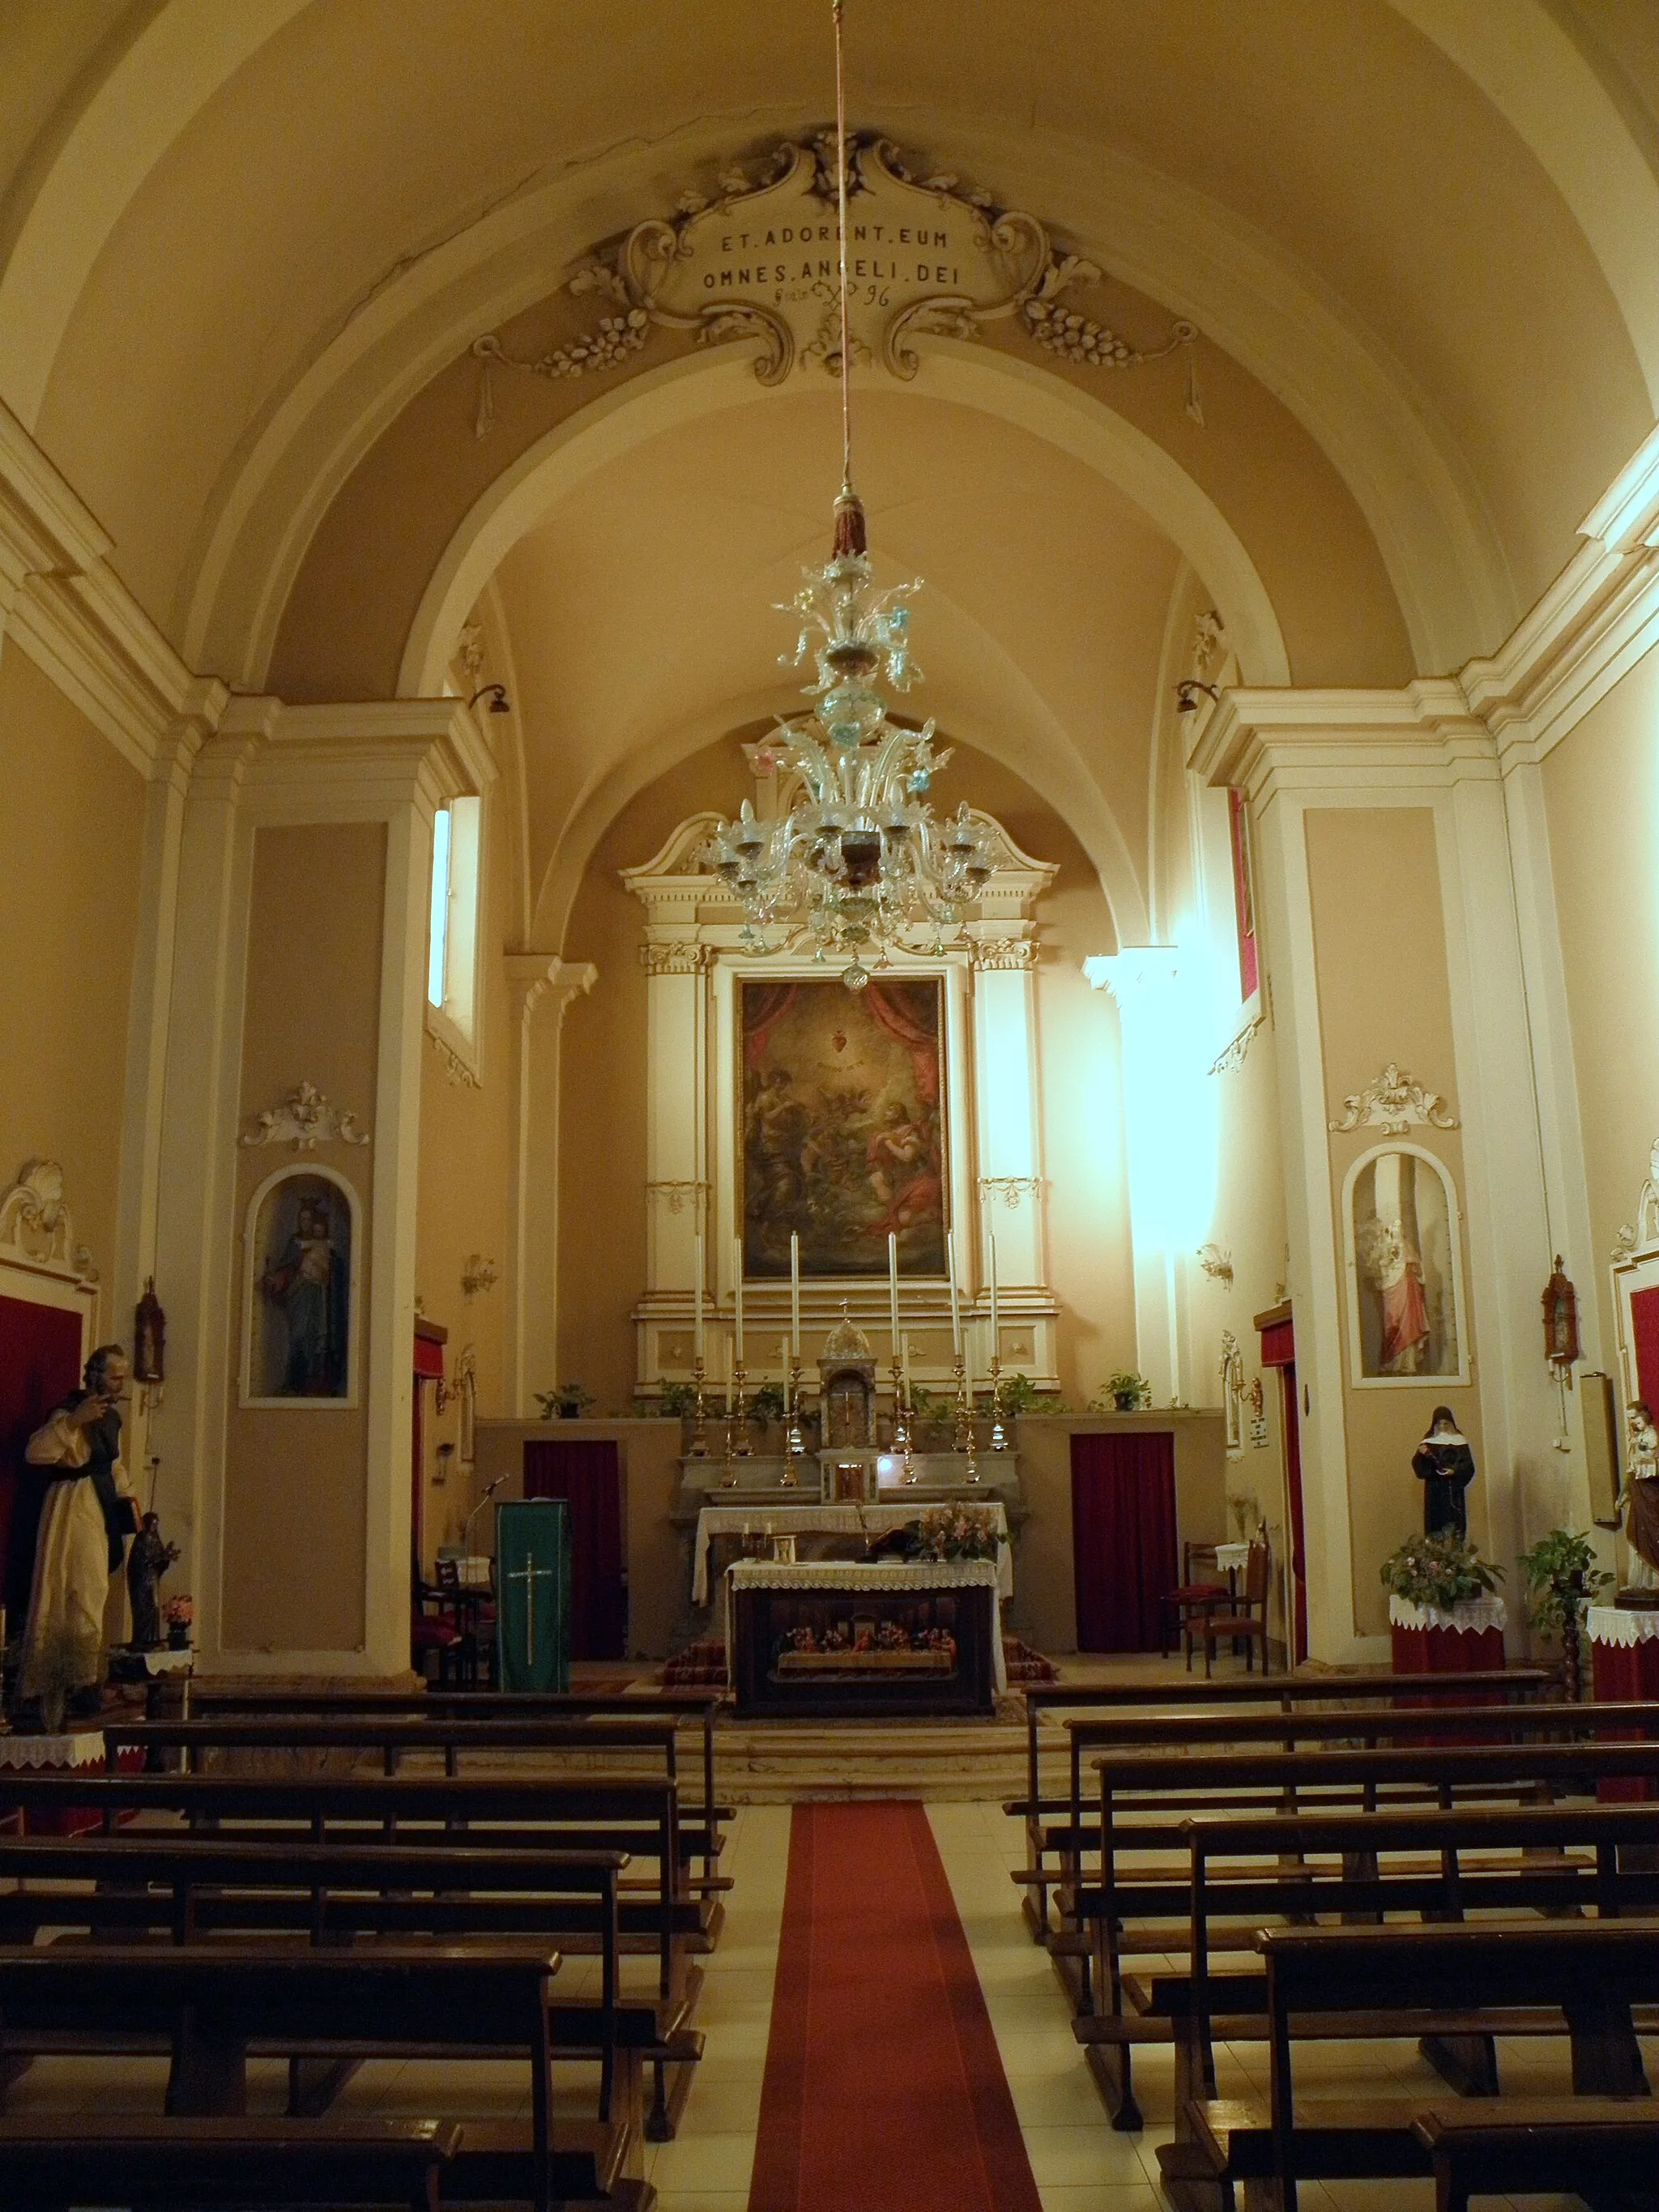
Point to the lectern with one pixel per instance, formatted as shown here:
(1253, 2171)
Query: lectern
(532, 1594)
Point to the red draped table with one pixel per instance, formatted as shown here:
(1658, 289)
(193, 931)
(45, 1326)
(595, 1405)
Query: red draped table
(1624, 1641)
(1461, 1639)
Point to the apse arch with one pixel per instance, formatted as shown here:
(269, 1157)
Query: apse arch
(684, 392)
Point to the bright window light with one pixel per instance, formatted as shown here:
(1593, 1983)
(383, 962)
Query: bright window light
(438, 955)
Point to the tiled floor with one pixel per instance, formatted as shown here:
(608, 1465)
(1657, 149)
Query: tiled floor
(1081, 2164)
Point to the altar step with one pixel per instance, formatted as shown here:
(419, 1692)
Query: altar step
(784, 1762)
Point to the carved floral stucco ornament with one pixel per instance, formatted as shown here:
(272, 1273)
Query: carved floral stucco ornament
(757, 260)
(35, 1224)
(1394, 1101)
(302, 1117)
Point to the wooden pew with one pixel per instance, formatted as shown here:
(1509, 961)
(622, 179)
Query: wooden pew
(1577, 2144)
(532, 1814)
(1187, 1734)
(211, 2002)
(685, 1708)
(191, 1886)
(162, 2164)
(1282, 1693)
(1353, 1866)
(1588, 1977)
(1147, 1798)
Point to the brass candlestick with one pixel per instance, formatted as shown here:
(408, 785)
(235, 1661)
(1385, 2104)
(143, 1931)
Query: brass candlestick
(901, 1427)
(740, 1377)
(964, 1435)
(998, 1434)
(699, 1434)
(794, 1444)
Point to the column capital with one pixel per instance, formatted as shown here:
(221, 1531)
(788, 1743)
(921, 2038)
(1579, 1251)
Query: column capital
(532, 976)
(1134, 975)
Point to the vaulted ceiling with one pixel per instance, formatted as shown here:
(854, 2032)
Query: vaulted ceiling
(245, 250)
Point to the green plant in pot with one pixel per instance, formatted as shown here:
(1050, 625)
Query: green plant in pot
(1562, 1578)
(768, 1404)
(568, 1402)
(1442, 1570)
(1128, 1392)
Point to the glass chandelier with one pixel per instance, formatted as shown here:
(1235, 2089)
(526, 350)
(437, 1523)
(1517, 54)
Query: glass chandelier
(859, 867)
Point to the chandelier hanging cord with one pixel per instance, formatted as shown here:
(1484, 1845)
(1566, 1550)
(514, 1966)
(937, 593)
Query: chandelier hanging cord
(850, 537)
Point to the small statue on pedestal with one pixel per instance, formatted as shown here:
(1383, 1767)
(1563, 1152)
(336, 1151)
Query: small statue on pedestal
(1444, 1464)
(147, 1562)
(1641, 1500)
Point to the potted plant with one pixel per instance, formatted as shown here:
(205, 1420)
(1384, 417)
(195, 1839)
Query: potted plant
(568, 1401)
(767, 1404)
(1128, 1391)
(1562, 1579)
(1443, 1571)
(180, 1619)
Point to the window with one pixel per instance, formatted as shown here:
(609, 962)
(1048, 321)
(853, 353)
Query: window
(452, 938)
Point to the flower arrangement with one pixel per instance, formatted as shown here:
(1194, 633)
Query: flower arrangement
(180, 1611)
(568, 1401)
(955, 1532)
(1443, 1570)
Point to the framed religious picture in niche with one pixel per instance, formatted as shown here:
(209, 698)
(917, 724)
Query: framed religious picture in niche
(1404, 1269)
(300, 1322)
(843, 1136)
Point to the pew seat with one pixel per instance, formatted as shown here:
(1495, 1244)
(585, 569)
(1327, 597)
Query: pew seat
(154, 2163)
(1532, 2149)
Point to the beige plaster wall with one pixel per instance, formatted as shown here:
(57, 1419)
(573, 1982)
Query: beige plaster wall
(71, 834)
(603, 1088)
(1380, 954)
(465, 1163)
(1601, 802)
(299, 1478)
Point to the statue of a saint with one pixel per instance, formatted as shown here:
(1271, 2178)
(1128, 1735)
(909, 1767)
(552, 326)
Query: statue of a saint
(148, 1560)
(1640, 1497)
(1444, 1464)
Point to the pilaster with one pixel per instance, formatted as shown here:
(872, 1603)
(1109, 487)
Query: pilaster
(540, 990)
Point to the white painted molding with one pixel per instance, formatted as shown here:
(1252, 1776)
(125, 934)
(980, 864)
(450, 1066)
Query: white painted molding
(62, 604)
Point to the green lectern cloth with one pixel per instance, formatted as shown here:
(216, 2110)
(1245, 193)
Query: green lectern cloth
(532, 1594)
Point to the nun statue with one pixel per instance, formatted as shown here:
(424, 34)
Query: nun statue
(1444, 1464)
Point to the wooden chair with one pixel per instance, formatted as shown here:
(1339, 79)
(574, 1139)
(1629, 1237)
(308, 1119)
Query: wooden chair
(1193, 1597)
(432, 1629)
(473, 1612)
(1242, 1620)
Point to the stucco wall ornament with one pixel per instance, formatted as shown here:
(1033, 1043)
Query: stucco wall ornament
(1643, 1232)
(1394, 1101)
(1234, 1055)
(1217, 1264)
(456, 1070)
(35, 1226)
(302, 1117)
(1009, 1189)
(756, 261)
(676, 1196)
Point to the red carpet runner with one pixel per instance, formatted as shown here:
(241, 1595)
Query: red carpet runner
(884, 2090)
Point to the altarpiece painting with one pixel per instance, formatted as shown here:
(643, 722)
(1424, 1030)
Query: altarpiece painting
(301, 1232)
(843, 1126)
(1401, 1224)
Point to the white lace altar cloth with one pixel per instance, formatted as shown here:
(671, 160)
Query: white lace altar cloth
(812, 1520)
(75, 1748)
(1613, 1624)
(1471, 1615)
(856, 1575)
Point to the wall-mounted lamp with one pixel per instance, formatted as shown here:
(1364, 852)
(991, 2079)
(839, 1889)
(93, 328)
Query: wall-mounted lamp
(1185, 692)
(497, 694)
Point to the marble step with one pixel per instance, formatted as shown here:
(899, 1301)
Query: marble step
(780, 1761)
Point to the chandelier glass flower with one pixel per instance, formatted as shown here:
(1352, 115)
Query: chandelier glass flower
(859, 867)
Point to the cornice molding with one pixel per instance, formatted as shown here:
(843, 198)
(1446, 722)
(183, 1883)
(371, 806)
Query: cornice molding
(437, 741)
(62, 604)
(1586, 632)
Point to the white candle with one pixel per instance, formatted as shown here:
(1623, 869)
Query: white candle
(794, 1296)
(996, 1334)
(892, 1286)
(955, 1296)
(697, 1300)
(737, 1279)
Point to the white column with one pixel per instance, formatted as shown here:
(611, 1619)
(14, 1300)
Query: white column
(677, 1173)
(539, 990)
(1008, 1134)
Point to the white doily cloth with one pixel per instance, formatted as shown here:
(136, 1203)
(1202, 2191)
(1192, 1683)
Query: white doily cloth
(829, 1521)
(79, 1747)
(1232, 1559)
(854, 1575)
(1471, 1615)
(1613, 1624)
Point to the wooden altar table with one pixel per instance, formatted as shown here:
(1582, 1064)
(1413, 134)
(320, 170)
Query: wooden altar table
(814, 1519)
(835, 1639)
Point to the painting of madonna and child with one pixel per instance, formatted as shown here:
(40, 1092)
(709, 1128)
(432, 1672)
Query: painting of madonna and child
(843, 1127)
(1403, 1270)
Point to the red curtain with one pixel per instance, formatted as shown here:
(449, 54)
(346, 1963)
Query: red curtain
(1645, 1328)
(764, 1005)
(583, 1473)
(39, 1364)
(909, 1011)
(1123, 1538)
